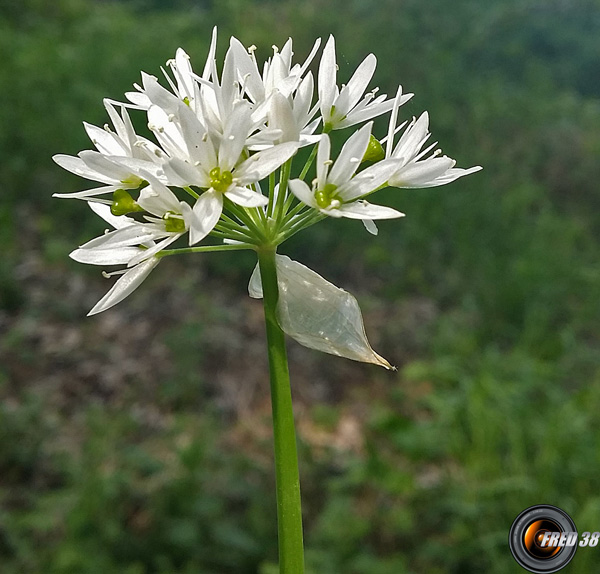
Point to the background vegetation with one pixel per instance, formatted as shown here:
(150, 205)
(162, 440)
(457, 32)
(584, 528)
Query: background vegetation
(137, 442)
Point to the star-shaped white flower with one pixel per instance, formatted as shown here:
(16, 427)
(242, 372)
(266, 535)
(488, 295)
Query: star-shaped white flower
(119, 251)
(217, 163)
(121, 156)
(415, 170)
(337, 192)
(343, 108)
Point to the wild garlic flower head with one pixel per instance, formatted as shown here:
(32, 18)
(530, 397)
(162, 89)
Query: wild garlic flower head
(217, 168)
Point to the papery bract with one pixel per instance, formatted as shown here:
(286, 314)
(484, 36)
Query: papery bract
(318, 314)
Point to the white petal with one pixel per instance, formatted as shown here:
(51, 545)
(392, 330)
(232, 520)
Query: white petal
(237, 128)
(355, 88)
(323, 160)
(167, 131)
(265, 162)
(364, 210)
(327, 78)
(144, 254)
(122, 129)
(181, 173)
(412, 139)
(350, 157)
(108, 168)
(157, 198)
(302, 192)
(117, 221)
(77, 166)
(392, 123)
(88, 192)
(199, 146)
(453, 174)
(126, 284)
(110, 256)
(139, 100)
(367, 113)
(134, 165)
(318, 314)
(246, 197)
(281, 116)
(368, 180)
(247, 69)
(421, 173)
(370, 226)
(303, 99)
(211, 55)
(159, 96)
(206, 211)
(131, 235)
(185, 81)
(106, 142)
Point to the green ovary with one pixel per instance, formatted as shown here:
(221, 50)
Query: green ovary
(220, 180)
(123, 203)
(173, 222)
(374, 151)
(324, 197)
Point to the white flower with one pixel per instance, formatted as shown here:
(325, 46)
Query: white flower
(414, 171)
(337, 192)
(344, 108)
(221, 168)
(292, 115)
(120, 158)
(278, 72)
(118, 252)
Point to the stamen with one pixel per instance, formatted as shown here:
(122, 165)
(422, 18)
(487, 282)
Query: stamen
(112, 273)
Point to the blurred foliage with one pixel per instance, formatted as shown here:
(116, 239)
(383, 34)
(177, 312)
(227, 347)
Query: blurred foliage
(497, 403)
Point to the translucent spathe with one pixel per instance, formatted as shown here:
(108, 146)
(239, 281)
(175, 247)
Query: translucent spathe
(318, 314)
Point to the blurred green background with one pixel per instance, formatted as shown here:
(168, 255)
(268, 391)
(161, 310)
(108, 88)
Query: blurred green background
(138, 441)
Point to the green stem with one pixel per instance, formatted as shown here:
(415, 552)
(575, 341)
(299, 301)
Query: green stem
(204, 249)
(289, 512)
(300, 225)
(286, 168)
(309, 162)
